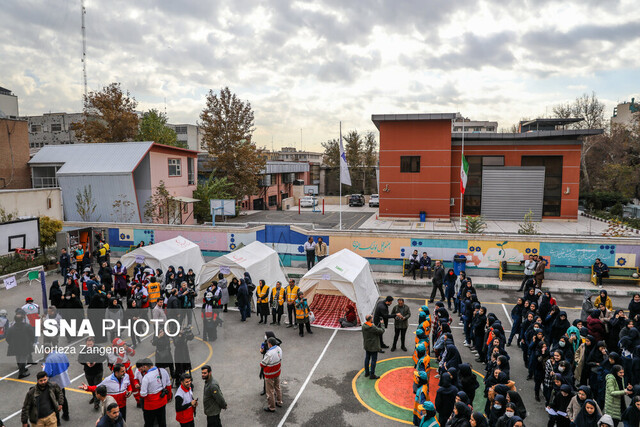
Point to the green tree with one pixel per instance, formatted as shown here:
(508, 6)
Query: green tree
(86, 204)
(528, 226)
(7, 216)
(213, 188)
(153, 127)
(48, 230)
(331, 155)
(109, 116)
(227, 124)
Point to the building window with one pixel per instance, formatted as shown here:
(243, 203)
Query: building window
(552, 199)
(175, 167)
(36, 128)
(191, 176)
(410, 164)
(273, 200)
(56, 127)
(181, 129)
(473, 191)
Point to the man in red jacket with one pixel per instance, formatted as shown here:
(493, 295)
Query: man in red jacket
(156, 392)
(185, 403)
(271, 365)
(118, 386)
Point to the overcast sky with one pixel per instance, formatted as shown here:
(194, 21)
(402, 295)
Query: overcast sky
(310, 65)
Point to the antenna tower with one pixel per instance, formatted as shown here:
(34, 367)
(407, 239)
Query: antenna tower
(84, 50)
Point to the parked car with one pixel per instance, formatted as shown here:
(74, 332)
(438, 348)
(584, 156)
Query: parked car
(374, 200)
(308, 202)
(356, 200)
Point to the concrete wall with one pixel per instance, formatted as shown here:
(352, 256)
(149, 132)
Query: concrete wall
(569, 258)
(33, 202)
(14, 154)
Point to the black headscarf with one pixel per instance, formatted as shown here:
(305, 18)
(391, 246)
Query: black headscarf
(584, 419)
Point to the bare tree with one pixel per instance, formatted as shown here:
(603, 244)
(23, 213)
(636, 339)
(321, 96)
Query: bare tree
(122, 209)
(86, 204)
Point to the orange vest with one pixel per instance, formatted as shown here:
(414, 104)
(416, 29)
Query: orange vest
(154, 292)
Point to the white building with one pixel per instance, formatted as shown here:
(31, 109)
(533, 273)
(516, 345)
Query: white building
(190, 135)
(461, 124)
(624, 114)
(8, 104)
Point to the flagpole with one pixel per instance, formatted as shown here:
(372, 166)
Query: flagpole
(461, 164)
(341, 180)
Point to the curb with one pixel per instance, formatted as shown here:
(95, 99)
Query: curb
(506, 286)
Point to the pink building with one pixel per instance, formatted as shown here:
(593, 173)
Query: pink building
(121, 178)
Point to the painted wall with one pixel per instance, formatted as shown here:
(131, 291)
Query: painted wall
(14, 146)
(33, 202)
(568, 258)
(410, 193)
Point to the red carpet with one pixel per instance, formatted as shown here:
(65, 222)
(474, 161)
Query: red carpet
(328, 309)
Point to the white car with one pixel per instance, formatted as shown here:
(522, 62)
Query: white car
(374, 200)
(308, 202)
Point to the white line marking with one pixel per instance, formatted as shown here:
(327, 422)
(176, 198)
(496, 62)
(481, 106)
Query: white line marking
(507, 313)
(335, 331)
(12, 415)
(81, 375)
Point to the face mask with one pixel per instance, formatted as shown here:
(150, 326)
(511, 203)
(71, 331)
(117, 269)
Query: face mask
(561, 369)
(497, 406)
(561, 343)
(265, 337)
(509, 414)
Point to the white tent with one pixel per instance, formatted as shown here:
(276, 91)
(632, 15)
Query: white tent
(343, 273)
(258, 259)
(177, 252)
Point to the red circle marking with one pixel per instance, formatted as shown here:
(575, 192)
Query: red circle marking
(395, 387)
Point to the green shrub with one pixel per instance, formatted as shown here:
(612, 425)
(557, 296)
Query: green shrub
(475, 224)
(599, 200)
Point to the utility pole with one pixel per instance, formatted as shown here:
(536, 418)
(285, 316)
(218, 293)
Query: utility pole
(84, 50)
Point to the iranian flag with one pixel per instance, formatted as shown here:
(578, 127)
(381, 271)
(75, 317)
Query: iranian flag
(464, 173)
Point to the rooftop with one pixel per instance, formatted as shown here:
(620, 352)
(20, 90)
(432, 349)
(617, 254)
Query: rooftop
(113, 158)
(514, 137)
(377, 118)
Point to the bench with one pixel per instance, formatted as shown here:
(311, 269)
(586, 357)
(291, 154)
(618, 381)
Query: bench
(618, 273)
(405, 265)
(506, 268)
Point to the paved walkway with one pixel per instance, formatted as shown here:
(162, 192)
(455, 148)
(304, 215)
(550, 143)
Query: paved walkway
(512, 284)
(583, 227)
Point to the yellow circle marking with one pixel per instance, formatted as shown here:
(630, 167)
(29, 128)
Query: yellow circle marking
(382, 396)
(362, 402)
(209, 356)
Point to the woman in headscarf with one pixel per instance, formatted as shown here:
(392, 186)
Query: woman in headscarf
(582, 371)
(634, 306)
(516, 422)
(191, 278)
(550, 319)
(559, 327)
(631, 332)
(517, 312)
(233, 286)
(606, 366)
(181, 276)
(460, 416)
(429, 417)
(614, 401)
(510, 412)
(559, 404)
(578, 401)
(120, 279)
(478, 420)
(477, 327)
(616, 323)
(589, 415)
(449, 287)
(497, 409)
(603, 298)
(566, 348)
(468, 381)
(540, 355)
(224, 291)
(445, 398)
(55, 294)
(595, 326)
(515, 398)
(631, 416)
(531, 296)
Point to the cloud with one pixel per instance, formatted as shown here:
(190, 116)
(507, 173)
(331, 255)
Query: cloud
(312, 64)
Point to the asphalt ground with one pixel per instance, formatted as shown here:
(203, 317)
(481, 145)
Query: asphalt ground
(351, 218)
(317, 370)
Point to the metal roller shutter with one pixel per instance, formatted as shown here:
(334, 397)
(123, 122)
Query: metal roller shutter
(508, 193)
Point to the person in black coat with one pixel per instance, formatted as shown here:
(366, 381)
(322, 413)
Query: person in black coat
(20, 338)
(631, 415)
(445, 398)
(460, 416)
(438, 281)
(243, 299)
(381, 315)
(55, 294)
(559, 327)
(468, 381)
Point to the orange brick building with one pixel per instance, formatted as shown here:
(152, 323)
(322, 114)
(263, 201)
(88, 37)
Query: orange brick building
(537, 169)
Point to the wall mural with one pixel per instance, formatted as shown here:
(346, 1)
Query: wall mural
(480, 253)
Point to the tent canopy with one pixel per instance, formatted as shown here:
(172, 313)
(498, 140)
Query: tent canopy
(262, 263)
(343, 273)
(177, 252)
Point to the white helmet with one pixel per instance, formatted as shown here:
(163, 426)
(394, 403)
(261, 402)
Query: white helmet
(3, 313)
(168, 287)
(208, 295)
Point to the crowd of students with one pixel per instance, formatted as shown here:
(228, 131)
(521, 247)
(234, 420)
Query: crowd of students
(585, 370)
